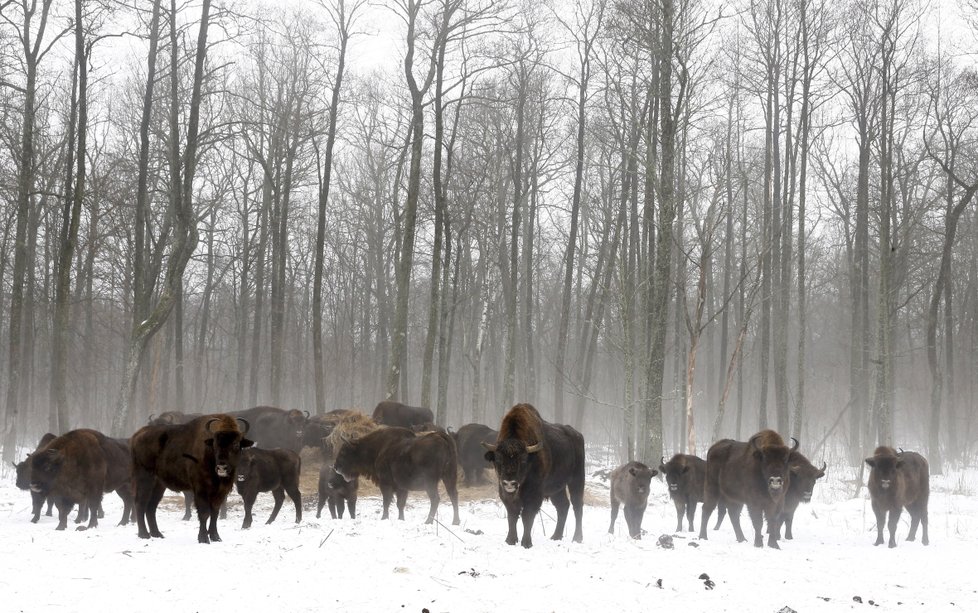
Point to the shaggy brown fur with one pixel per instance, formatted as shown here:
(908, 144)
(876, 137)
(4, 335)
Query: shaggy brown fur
(352, 427)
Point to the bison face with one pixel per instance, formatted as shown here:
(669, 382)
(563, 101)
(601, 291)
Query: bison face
(44, 469)
(774, 469)
(24, 473)
(676, 476)
(803, 478)
(641, 478)
(884, 469)
(245, 466)
(511, 459)
(345, 464)
(335, 481)
(297, 422)
(226, 447)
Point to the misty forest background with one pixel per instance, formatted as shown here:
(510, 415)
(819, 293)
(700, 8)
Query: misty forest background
(662, 221)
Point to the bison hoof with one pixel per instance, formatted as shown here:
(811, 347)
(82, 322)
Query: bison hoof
(61, 527)
(144, 535)
(925, 542)
(35, 520)
(892, 545)
(526, 544)
(510, 540)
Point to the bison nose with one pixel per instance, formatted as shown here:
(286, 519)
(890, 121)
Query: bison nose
(885, 483)
(509, 486)
(222, 470)
(673, 487)
(774, 483)
(241, 477)
(35, 487)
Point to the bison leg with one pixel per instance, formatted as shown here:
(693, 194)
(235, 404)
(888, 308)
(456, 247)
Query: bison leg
(709, 504)
(351, 503)
(690, 513)
(82, 515)
(37, 503)
(293, 491)
(249, 496)
(562, 504)
(789, 519)
(433, 500)
(126, 494)
(450, 478)
(530, 510)
(680, 510)
(335, 508)
(880, 513)
(203, 514)
(892, 525)
(323, 496)
(721, 513)
(402, 495)
(187, 505)
(212, 529)
(513, 509)
(757, 519)
(576, 489)
(387, 494)
(614, 514)
(50, 505)
(64, 508)
(94, 503)
(733, 511)
(279, 495)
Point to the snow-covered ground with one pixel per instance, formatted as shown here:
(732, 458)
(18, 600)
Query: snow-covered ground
(372, 565)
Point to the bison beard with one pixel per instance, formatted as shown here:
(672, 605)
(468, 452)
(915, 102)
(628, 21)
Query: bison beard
(536, 459)
(398, 461)
(754, 474)
(200, 456)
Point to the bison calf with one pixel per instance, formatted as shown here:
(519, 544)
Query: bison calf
(333, 490)
(685, 475)
(269, 470)
(71, 469)
(630, 487)
(898, 480)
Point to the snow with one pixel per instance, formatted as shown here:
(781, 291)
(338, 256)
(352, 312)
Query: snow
(371, 565)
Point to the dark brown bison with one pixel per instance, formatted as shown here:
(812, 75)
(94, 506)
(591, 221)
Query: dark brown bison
(898, 480)
(800, 489)
(398, 461)
(23, 469)
(535, 459)
(471, 455)
(630, 487)
(685, 475)
(274, 428)
(334, 490)
(754, 474)
(200, 456)
(269, 470)
(393, 413)
(71, 470)
(169, 418)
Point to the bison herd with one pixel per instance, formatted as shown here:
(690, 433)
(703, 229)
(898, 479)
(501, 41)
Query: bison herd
(400, 450)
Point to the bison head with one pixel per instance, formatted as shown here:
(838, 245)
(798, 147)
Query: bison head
(803, 477)
(511, 459)
(23, 473)
(345, 463)
(773, 459)
(641, 478)
(44, 469)
(676, 473)
(226, 445)
(335, 480)
(245, 465)
(297, 421)
(885, 468)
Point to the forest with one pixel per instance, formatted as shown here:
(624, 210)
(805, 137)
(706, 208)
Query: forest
(665, 222)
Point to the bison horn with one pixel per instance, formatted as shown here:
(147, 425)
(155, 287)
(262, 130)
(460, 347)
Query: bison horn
(794, 447)
(152, 416)
(824, 466)
(663, 462)
(307, 414)
(244, 421)
(210, 421)
(488, 446)
(534, 448)
(753, 442)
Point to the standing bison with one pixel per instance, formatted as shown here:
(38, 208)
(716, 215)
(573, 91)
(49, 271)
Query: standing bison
(269, 470)
(393, 413)
(685, 475)
(274, 428)
(334, 490)
(630, 487)
(200, 456)
(754, 474)
(898, 480)
(535, 459)
(398, 461)
(71, 469)
(804, 475)
(471, 455)
(23, 469)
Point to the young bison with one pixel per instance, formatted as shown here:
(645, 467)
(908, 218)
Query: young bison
(898, 480)
(269, 470)
(334, 489)
(685, 475)
(630, 487)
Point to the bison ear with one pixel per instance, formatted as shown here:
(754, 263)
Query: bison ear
(758, 454)
(209, 442)
(899, 463)
(793, 469)
(654, 472)
(247, 442)
(490, 456)
(632, 471)
(871, 462)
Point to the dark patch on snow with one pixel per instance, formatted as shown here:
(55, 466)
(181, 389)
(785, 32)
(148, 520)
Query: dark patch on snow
(665, 541)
